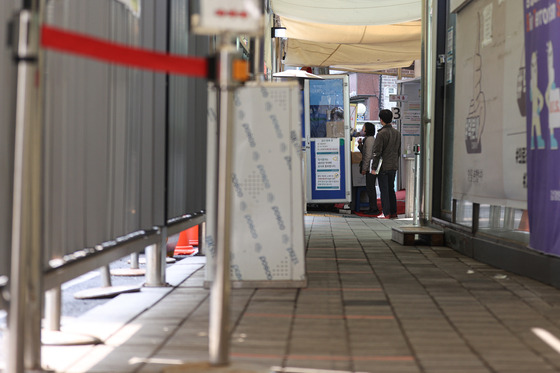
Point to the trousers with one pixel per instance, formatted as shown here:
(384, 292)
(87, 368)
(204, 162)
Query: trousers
(371, 192)
(386, 180)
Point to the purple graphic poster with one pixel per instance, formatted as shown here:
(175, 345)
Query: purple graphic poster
(542, 55)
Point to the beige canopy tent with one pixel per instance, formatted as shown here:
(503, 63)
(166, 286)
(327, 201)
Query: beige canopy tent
(351, 35)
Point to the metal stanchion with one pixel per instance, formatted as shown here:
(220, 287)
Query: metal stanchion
(406, 235)
(410, 182)
(417, 185)
(134, 261)
(155, 262)
(105, 276)
(53, 307)
(133, 270)
(52, 334)
(202, 238)
(26, 296)
(221, 286)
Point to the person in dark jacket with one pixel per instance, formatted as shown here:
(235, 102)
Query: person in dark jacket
(366, 148)
(387, 147)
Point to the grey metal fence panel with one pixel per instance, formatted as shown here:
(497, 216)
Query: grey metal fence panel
(153, 115)
(7, 121)
(187, 122)
(103, 162)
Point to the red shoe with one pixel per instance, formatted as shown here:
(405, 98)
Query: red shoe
(384, 216)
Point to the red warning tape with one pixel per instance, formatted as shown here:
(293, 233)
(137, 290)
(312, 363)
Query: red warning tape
(70, 42)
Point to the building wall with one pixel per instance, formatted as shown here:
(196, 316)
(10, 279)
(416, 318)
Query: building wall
(368, 83)
(364, 88)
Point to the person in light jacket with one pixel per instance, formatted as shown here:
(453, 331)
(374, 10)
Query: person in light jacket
(387, 146)
(366, 148)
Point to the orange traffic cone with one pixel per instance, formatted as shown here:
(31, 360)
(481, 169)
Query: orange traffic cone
(187, 239)
(192, 234)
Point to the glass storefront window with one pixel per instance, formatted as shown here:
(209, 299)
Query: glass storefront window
(499, 217)
(499, 221)
(463, 213)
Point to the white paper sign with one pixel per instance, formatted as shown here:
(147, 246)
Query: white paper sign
(327, 164)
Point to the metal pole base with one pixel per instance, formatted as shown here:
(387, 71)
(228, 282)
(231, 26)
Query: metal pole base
(106, 292)
(128, 272)
(61, 338)
(168, 260)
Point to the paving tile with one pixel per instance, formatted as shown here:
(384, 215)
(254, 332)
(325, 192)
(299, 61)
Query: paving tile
(371, 305)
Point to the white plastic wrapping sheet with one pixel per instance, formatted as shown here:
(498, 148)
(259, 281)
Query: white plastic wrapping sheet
(267, 231)
(353, 34)
(357, 36)
(352, 57)
(349, 12)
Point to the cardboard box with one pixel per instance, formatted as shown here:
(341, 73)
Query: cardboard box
(356, 157)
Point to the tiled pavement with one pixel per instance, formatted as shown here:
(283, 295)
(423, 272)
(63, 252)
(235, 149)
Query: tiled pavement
(371, 305)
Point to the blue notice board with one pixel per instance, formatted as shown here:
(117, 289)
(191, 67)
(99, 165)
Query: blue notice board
(328, 169)
(328, 137)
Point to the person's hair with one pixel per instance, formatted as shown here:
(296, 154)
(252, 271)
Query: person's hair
(369, 129)
(386, 116)
(337, 113)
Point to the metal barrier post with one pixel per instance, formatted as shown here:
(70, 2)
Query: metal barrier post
(221, 286)
(417, 186)
(155, 262)
(134, 262)
(53, 307)
(202, 238)
(410, 182)
(26, 295)
(105, 273)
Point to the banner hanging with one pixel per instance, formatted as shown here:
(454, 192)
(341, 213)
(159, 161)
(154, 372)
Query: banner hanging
(542, 55)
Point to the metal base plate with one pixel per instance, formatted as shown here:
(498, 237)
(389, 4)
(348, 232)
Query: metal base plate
(128, 272)
(167, 260)
(406, 235)
(106, 292)
(61, 338)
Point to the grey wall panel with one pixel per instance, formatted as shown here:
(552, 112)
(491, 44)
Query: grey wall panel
(187, 122)
(104, 145)
(7, 122)
(96, 132)
(152, 115)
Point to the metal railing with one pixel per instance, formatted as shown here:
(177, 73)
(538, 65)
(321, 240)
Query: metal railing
(95, 187)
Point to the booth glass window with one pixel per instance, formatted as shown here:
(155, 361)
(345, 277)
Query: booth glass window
(326, 109)
(505, 222)
(464, 213)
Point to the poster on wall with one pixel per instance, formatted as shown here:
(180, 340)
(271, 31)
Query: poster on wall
(542, 55)
(489, 166)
